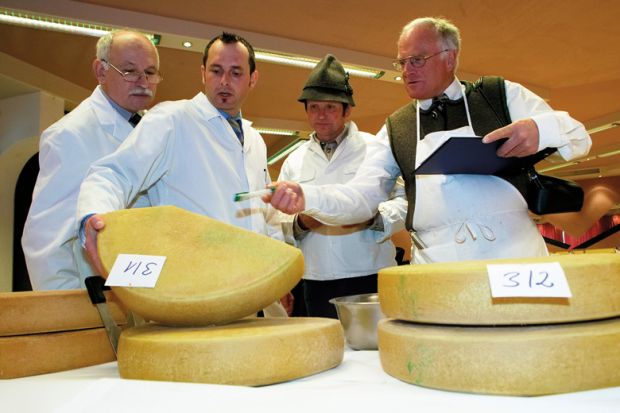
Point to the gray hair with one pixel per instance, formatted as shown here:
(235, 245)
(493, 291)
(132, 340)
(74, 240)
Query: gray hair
(449, 34)
(104, 44)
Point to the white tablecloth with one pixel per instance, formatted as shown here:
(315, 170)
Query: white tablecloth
(357, 385)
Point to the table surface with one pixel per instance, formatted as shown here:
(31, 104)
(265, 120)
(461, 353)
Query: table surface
(357, 385)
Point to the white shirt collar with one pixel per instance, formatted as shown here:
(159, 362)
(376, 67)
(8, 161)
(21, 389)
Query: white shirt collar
(454, 92)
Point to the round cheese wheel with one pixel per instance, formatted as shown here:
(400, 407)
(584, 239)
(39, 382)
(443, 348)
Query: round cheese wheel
(32, 354)
(528, 361)
(459, 293)
(213, 273)
(30, 312)
(249, 352)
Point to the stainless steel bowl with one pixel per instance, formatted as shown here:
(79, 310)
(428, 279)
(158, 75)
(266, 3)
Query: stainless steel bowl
(359, 315)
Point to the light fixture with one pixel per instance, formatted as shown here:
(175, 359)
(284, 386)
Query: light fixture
(310, 62)
(19, 18)
(559, 166)
(603, 127)
(60, 25)
(274, 131)
(606, 154)
(285, 151)
(49, 23)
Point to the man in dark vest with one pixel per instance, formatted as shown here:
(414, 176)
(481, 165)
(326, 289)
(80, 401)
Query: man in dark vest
(451, 217)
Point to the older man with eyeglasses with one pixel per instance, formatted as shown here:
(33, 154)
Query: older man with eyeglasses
(457, 216)
(127, 69)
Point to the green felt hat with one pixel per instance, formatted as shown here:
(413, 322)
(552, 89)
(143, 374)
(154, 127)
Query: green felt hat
(328, 81)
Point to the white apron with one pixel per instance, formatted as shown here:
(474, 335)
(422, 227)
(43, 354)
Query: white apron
(469, 217)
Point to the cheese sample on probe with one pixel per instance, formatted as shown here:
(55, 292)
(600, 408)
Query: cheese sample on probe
(214, 272)
(520, 361)
(459, 293)
(250, 352)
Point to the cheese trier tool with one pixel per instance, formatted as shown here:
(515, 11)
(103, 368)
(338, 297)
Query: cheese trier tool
(95, 286)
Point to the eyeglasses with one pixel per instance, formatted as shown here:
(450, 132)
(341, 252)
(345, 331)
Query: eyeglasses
(133, 76)
(415, 61)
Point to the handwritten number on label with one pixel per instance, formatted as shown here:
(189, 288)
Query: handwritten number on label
(542, 279)
(511, 277)
(136, 270)
(136, 266)
(550, 285)
(148, 270)
(514, 282)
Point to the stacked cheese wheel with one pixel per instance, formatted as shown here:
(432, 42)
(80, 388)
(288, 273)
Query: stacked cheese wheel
(448, 332)
(214, 274)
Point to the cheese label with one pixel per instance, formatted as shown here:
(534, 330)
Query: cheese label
(528, 280)
(131, 270)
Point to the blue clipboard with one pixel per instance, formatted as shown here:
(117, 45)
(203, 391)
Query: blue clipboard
(468, 155)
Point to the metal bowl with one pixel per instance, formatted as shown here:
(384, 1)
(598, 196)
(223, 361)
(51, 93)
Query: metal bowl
(359, 315)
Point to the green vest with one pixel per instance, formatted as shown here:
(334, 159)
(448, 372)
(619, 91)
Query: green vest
(488, 109)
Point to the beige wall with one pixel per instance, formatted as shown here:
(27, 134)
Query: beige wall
(22, 119)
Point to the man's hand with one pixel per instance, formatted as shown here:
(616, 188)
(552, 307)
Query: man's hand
(288, 302)
(288, 198)
(93, 225)
(522, 137)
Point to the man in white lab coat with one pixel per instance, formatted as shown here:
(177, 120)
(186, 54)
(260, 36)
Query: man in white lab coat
(127, 69)
(194, 154)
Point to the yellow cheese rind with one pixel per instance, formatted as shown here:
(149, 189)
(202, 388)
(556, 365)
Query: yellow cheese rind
(520, 361)
(30, 312)
(33, 354)
(214, 272)
(250, 352)
(459, 293)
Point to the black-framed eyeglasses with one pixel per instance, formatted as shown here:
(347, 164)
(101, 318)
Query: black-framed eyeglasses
(415, 61)
(133, 76)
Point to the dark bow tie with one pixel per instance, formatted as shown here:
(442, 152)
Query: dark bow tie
(439, 103)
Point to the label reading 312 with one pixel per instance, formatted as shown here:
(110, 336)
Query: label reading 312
(528, 280)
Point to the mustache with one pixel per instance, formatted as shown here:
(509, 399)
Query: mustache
(141, 91)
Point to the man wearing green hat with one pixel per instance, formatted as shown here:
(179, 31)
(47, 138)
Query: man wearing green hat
(339, 260)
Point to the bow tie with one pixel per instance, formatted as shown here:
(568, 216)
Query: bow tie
(439, 103)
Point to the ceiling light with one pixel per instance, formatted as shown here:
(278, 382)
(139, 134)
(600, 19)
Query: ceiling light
(60, 25)
(606, 154)
(273, 131)
(187, 44)
(310, 62)
(603, 127)
(49, 23)
(285, 151)
(398, 78)
(553, 168)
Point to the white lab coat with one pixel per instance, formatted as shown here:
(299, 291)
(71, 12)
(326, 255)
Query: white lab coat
(66, 150)
(334, 252)
(458, 217)
(184, 153)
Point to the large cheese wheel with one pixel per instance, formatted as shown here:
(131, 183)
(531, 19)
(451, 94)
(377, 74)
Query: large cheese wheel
(29, 312)
(532, 360)
(33, 354)
(250, 352)
(214, 272)
(459, 293)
